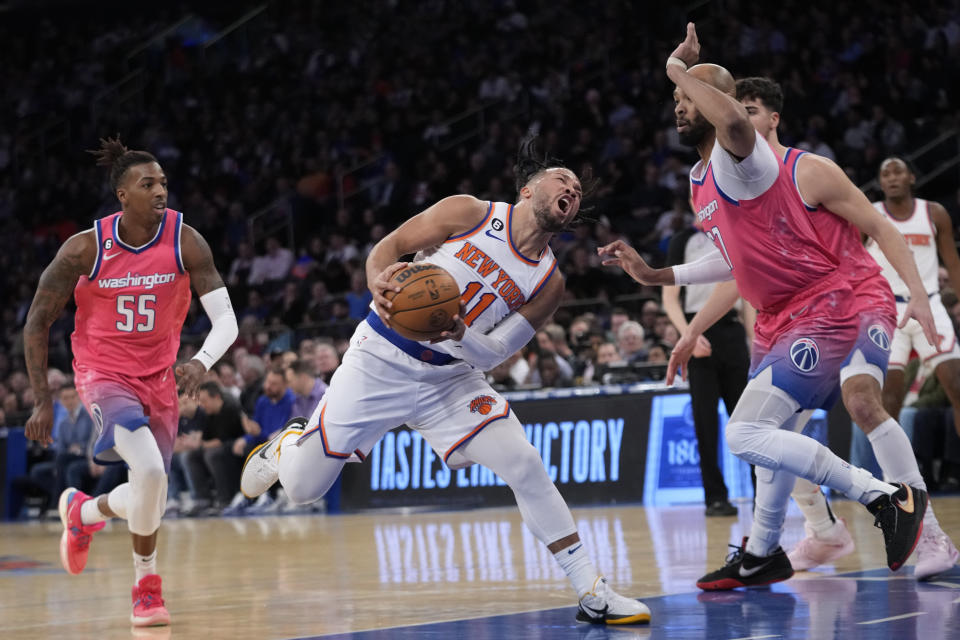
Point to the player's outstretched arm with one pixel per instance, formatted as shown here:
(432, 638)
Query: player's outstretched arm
(206, 281)
(429, 228)
(735, 133)
(946, 246)
(822, 182)
(620, 254)
(74, 259)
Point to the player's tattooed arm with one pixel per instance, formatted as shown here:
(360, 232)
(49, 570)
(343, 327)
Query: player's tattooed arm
(57, 282)
(198, 261)
(75, 258)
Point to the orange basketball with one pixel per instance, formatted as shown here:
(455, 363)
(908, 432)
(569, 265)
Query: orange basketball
(425, 305)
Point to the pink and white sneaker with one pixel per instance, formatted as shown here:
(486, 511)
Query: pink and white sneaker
(148, 607)
(815, 550)
(935, 553)
(75, 541)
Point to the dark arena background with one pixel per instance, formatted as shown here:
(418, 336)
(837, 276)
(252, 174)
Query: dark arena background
(295, 135)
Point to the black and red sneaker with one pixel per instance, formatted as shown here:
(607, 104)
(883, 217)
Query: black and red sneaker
(744, 569)
(900, 517)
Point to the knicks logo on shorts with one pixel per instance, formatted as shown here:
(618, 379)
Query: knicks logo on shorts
(482, 404)
(805, 354)
(97, 417)
(878, 336)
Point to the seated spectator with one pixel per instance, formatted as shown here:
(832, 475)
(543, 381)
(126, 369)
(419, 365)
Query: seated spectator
(606, 354)
(306, 386)
(189, 438)
(227, 377)
(72, 438)
(359, 296)
(325, 360)
(549, 373)
(273, 408)
(214, 468)
(272, 266)
(630, 342)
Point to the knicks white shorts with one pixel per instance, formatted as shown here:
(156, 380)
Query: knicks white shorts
(911, 338)
(380, 386)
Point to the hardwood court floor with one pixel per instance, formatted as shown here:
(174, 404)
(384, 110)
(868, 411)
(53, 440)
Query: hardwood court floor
(305, 576)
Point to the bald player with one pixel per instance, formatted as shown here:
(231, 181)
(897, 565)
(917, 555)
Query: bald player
(807, 316)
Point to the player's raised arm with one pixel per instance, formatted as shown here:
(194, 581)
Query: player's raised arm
(448, 217)
(74, 259)
(714, 99)
(822, 182)
(206, 281)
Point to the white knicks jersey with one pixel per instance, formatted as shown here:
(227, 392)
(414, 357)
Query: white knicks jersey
(494, 277)
(921, 236)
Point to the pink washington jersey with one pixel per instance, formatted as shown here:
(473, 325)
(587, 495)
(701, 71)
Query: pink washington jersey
(806, 318)
(131, 307)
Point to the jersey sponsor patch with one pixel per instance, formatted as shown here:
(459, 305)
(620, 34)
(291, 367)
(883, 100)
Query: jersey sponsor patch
(878, 336)
(108, 244)
(805, 354)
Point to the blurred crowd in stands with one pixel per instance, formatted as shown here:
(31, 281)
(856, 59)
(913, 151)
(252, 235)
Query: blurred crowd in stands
(296, 141)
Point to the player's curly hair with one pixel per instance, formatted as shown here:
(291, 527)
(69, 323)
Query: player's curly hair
(530, 163)
(115, 156)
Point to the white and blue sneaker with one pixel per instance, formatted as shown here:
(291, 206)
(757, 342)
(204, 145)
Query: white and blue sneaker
(262, 467)
(603, 605)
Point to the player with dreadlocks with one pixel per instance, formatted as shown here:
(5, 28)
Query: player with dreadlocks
(500, 257)
(130, 276)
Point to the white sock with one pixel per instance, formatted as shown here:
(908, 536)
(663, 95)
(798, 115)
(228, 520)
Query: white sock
(579, 568)
(144, 565)
(894, 453)
(813, 505)
(90, 512)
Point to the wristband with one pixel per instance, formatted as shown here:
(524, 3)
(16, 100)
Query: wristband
(676, 61)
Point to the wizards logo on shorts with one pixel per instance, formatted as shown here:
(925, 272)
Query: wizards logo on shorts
(878, 336)
(805, 354)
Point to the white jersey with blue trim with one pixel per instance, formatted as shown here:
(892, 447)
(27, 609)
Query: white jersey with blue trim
(921, 236)
(495, 279)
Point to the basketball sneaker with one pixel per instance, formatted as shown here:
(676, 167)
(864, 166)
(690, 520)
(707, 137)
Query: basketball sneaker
(75, 541)
(262, 467)
(816, 549)
(900, 517)
(148, 607)
(602, 605)
(935, 553)
(743, 569)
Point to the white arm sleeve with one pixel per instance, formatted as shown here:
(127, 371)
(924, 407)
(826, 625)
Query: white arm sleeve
(708, 269)
(749, 178)
(224, 330)
(487, 350)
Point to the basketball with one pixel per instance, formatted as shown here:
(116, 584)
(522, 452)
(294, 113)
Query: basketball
(426, 303)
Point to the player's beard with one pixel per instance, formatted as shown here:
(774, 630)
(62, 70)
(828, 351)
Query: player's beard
(697, 130)
(543, 214)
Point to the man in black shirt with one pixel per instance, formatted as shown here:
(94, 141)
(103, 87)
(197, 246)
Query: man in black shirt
(214, 460)
(718, 369)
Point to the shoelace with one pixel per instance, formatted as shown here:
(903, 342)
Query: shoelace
(148, 600)
(880, 517)
(736, 555)
(82, 539)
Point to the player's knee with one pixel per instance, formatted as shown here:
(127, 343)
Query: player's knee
(524, 467)
(739, 436)
(304, 492)
(152, 477)
(865, 409)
